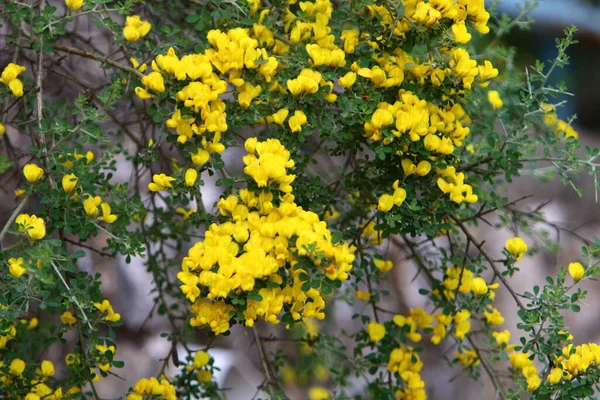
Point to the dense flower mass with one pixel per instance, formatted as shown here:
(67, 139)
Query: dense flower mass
(267, 249)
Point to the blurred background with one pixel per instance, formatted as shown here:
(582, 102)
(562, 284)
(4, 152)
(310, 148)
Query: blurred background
(128, 285)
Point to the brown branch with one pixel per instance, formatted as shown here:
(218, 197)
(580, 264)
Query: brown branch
(99, 58)
(489, 259)
(85, 246)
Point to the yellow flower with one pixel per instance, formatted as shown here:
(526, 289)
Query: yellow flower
(318, 393)
(74, 4)
(105, 306)
(15, 267)
(468, 358)
(201, 358)
(67, 318)
(17, 366)
(479, 286)
(184, 213)
(190, 177)
(423, 168)
(386, 202)
(2, 129)
(106, 214)
(204, 376)
(297, 120)
(555, 375)
(34, 226)
(437, 77)
(533, 381)
(494, 99)
(32, 172)
(69, 182)
(463, 324)
(201, 157)
(517, 247)
(90, 205)
(11, 72)
(280, 116)
(136, 64)
(154, 81)
(502, 337)
(347, 80)
(494, 317)
(350, 39)
(142, 93)
(383, 266)
(576, 271)
(160, 182)
(16, 87)
(376, 331)
(459, 30)
(135, 28)
(32, 324)
(47, 368)
(361, 295)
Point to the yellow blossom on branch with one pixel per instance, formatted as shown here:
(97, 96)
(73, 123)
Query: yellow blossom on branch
(517, 247)
(74, 5)
(135, 28)
(32, 173)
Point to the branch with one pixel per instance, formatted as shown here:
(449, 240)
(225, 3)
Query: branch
(489, 259)
(96, 57)
(12, 218)
(102, 253)
(271, 381)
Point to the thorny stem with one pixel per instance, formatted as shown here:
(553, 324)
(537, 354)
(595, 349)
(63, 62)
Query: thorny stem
(71, 297)
(271, 381)
(82, 350)
(489, 259)
(423, 267)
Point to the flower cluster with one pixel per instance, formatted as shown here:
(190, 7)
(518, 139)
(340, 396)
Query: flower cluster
(91, 204)
(559, 126)
(32, 226)
(154, 388)
(407, 364)
(34, 382)
(266, 251)
(524, 364)
(200, 363)
(106, 307)
(574, 361)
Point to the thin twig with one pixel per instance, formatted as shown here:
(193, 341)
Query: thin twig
(489, 259)
(85, 318)
(12, 217)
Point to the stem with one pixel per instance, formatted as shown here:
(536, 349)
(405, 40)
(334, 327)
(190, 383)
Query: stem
(106, 60)
(85, 318)
(12, 217)
(489, 259)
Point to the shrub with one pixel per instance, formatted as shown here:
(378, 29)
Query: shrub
(360, 125)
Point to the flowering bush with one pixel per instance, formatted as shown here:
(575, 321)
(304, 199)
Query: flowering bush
(361, 125)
